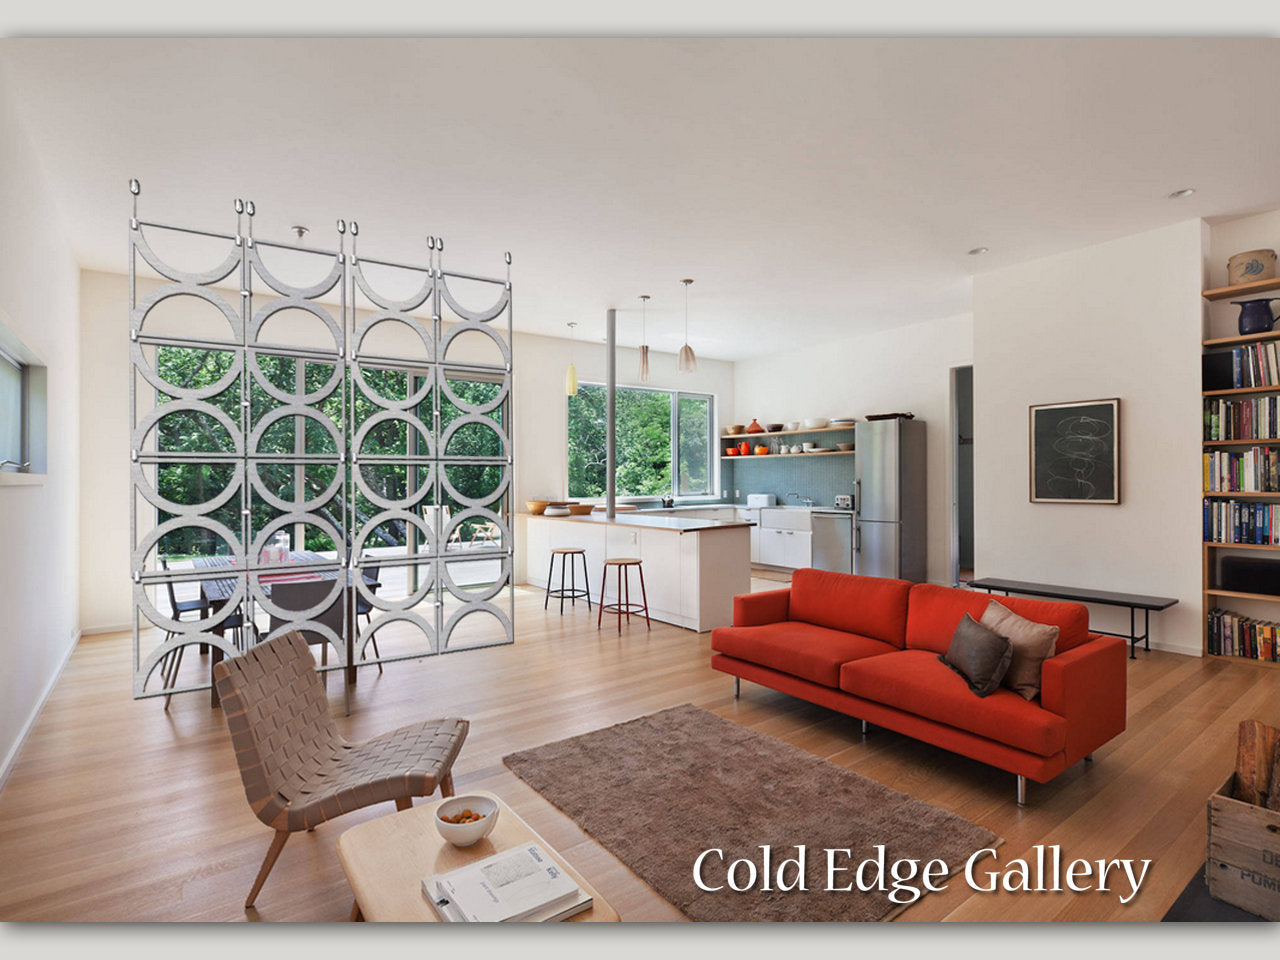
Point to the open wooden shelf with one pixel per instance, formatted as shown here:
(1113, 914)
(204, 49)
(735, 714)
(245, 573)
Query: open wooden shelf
(1241, 289)
(1240, 443)
(1234, 391)
(1242, 546)
(766, 456)
(783, 433)
(1241, 340)
(1238, 595)
(1254, 661)
(1239, 494)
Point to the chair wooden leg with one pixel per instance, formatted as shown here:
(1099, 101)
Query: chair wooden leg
(273, 853)
(446, 785)
(374, 640)
(172, 679)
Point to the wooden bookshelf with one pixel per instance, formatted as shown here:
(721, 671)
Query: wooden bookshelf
(1214, 595)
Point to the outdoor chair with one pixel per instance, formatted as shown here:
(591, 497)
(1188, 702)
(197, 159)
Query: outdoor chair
(297, 770)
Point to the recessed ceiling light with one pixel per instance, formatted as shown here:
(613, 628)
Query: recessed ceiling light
(1181, 194)
(977, 251)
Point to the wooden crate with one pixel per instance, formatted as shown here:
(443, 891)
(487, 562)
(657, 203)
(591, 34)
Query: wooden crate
(1243, 863)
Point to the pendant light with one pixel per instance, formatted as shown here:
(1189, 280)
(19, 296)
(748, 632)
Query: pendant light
(571, 375)
(688, 363)
(644, 347)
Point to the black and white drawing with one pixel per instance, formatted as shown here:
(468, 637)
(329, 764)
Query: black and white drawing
(1075, 452)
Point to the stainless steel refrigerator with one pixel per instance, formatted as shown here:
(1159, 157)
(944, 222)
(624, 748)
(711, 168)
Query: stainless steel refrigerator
(889, 500)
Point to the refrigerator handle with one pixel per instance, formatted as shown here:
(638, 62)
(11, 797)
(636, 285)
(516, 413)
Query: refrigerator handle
(857, 496)
(857, 537)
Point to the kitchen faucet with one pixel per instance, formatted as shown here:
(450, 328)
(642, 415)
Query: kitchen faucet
(807, 501)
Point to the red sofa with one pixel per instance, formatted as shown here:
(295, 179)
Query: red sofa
(869, 646)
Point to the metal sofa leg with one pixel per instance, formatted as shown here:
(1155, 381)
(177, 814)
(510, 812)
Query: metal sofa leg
(737, 687)
(864, 728)
(1022, 790)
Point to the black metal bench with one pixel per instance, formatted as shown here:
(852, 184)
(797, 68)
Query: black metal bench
(1134, 601)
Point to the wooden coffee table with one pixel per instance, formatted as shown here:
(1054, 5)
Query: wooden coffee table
(385, 861)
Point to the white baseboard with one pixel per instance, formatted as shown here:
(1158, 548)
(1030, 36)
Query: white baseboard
(12, 756)
(113, 628)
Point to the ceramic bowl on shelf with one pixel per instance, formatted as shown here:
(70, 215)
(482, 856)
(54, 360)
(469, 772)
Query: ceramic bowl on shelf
(844, 447)
(734, 429)
(843, 422)
(820, 450)
(816, 423)
(761, 450)
(796, 448)
(791, 426)
(774, 427)
(809, 445)
(730, 451)
(536, 507)
(469, 831)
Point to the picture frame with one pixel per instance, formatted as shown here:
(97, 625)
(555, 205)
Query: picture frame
(1075, 452)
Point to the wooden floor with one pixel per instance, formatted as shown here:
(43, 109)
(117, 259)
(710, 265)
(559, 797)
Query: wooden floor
(117, 810)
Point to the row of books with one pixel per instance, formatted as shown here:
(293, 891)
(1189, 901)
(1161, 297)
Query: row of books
(1255, 365)
(1256, 418)
(1234, 635)
(1256, 470)
(1232, 521)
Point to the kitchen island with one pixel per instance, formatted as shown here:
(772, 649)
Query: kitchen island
(693, 567)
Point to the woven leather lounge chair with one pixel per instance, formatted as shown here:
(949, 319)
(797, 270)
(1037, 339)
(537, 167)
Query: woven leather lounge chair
(297, 770)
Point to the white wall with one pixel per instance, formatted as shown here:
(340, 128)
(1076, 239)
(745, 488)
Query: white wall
(540, 410)
(39, 524)
(901, 370)
(1120, 319)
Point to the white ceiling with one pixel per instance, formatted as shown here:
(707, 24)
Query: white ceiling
(812, 188)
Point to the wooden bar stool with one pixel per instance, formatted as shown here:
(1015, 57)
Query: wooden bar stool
(623, 565)
(566, 555)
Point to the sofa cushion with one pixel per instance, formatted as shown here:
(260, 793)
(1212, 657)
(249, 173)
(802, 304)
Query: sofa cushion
(914, 681)
(874, 607)
(980, 655)
(801, 649)
(1031, 644)
(935, 611)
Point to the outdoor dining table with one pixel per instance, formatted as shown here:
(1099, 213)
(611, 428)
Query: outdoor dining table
(219, 590)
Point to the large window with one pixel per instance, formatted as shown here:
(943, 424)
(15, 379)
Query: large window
(663, 442)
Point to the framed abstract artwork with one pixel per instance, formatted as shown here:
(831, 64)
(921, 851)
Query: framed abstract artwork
(1075, 452)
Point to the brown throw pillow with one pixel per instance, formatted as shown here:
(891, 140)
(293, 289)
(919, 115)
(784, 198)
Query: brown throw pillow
(1032, 642)
(979, 655)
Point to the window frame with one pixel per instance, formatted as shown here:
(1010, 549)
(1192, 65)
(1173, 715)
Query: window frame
(31, 466)
(713, 462)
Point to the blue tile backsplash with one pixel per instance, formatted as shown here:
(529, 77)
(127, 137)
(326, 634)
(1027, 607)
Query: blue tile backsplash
(821, 478)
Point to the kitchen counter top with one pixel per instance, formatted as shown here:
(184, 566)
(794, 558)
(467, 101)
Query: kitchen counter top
(640, 519)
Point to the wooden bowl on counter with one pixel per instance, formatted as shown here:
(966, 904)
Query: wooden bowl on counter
(537, 507)
(580, 509)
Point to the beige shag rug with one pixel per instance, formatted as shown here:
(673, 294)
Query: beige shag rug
(661, 790)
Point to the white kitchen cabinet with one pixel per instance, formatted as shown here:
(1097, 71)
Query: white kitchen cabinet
(785, 548)
(746, 515)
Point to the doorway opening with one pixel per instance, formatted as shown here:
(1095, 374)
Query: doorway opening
(961, 475)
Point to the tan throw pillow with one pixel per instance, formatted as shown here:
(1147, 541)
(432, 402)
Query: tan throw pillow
(1032, 643)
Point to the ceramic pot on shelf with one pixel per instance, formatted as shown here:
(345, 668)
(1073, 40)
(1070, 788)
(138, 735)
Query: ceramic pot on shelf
(1255, 315)
(755, 427)
(744, 449)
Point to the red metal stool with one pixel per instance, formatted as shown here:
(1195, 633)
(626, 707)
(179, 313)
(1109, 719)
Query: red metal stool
(566, 555)
(624, 604)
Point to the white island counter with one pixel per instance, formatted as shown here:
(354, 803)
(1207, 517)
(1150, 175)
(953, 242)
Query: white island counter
(693, 567)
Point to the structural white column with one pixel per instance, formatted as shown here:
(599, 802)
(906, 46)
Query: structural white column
(611, 383)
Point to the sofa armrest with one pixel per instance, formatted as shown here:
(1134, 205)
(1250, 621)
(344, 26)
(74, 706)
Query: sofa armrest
(1087, 686)
(755, 609)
